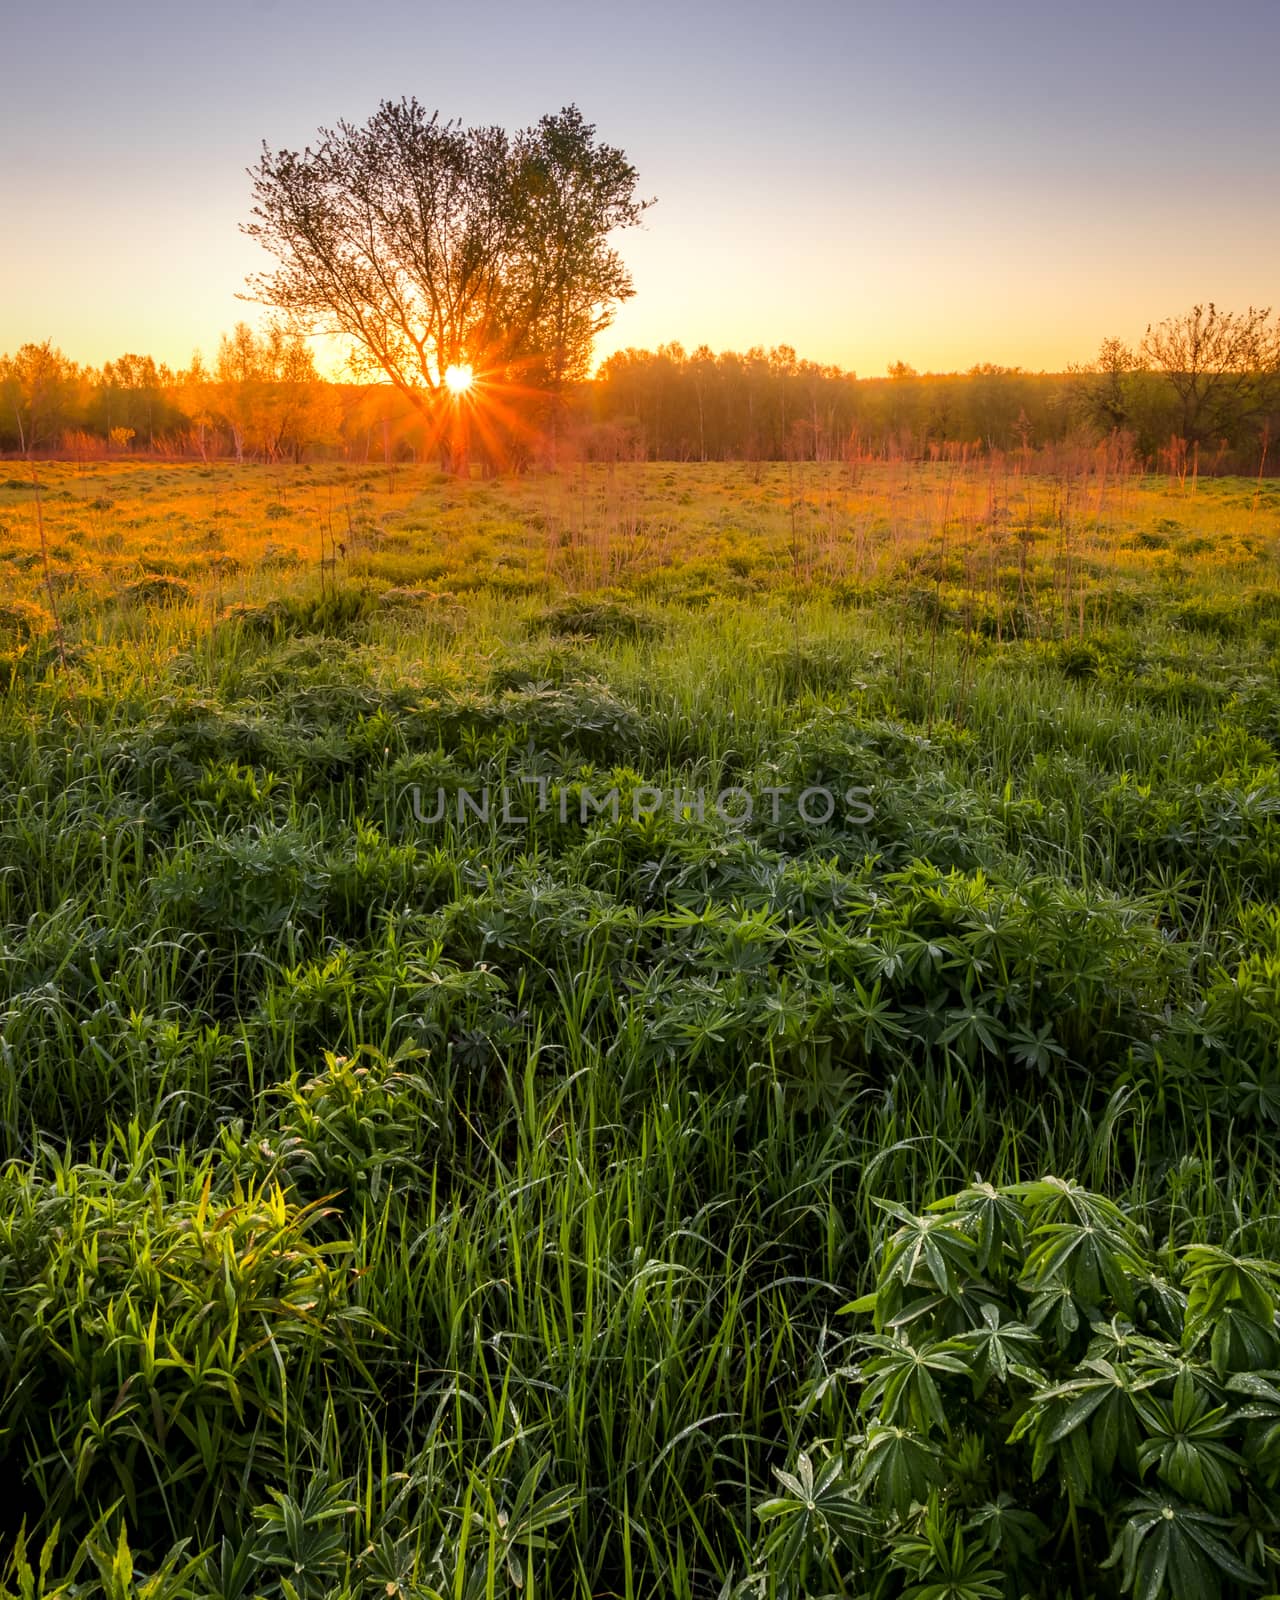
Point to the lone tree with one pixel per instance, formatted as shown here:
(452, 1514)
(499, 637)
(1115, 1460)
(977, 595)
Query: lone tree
(1223, 367)
(432, 247)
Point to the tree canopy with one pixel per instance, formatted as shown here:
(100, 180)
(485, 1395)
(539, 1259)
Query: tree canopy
(428, 244)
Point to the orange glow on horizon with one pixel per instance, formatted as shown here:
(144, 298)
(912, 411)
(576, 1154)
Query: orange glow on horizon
(488, 405)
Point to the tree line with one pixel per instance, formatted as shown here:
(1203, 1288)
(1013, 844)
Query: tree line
(1200, 390)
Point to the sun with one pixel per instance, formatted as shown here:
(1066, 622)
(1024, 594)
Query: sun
(458, 379)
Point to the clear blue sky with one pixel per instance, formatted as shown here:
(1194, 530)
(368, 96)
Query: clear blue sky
(930, 181)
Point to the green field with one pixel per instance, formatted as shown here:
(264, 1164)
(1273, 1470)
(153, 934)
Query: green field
(496, 1205)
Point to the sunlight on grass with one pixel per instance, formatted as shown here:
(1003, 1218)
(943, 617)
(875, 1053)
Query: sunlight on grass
(444, 1208)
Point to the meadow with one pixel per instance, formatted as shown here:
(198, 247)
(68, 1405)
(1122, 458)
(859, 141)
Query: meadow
(662, 1202)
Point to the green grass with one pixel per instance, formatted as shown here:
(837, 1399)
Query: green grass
(461, 1208)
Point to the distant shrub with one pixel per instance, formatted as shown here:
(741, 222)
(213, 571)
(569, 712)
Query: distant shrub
(1217, 619)
(333, 613)
(248, 618)
(1078, 661)
(1173, 690)
(847, 595)
(541, 665)
(1126, 606)
(598, 619)
(276, 557)
(810, 668)
(22, 622)
(432, 604)
(928, 607)
(156, 589)
(403, 596)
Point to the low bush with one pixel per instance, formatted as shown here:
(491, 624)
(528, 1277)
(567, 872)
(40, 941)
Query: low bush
(161, 1322)
(1048, 1405)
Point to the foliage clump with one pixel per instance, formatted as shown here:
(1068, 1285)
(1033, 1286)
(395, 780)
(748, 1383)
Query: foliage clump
(158, 1319)
(334, 613)
(23, 622)
(1048, 1404)
(157, 589)
(598, 619)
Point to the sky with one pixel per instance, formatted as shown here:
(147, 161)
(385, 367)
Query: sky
(915, 180)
